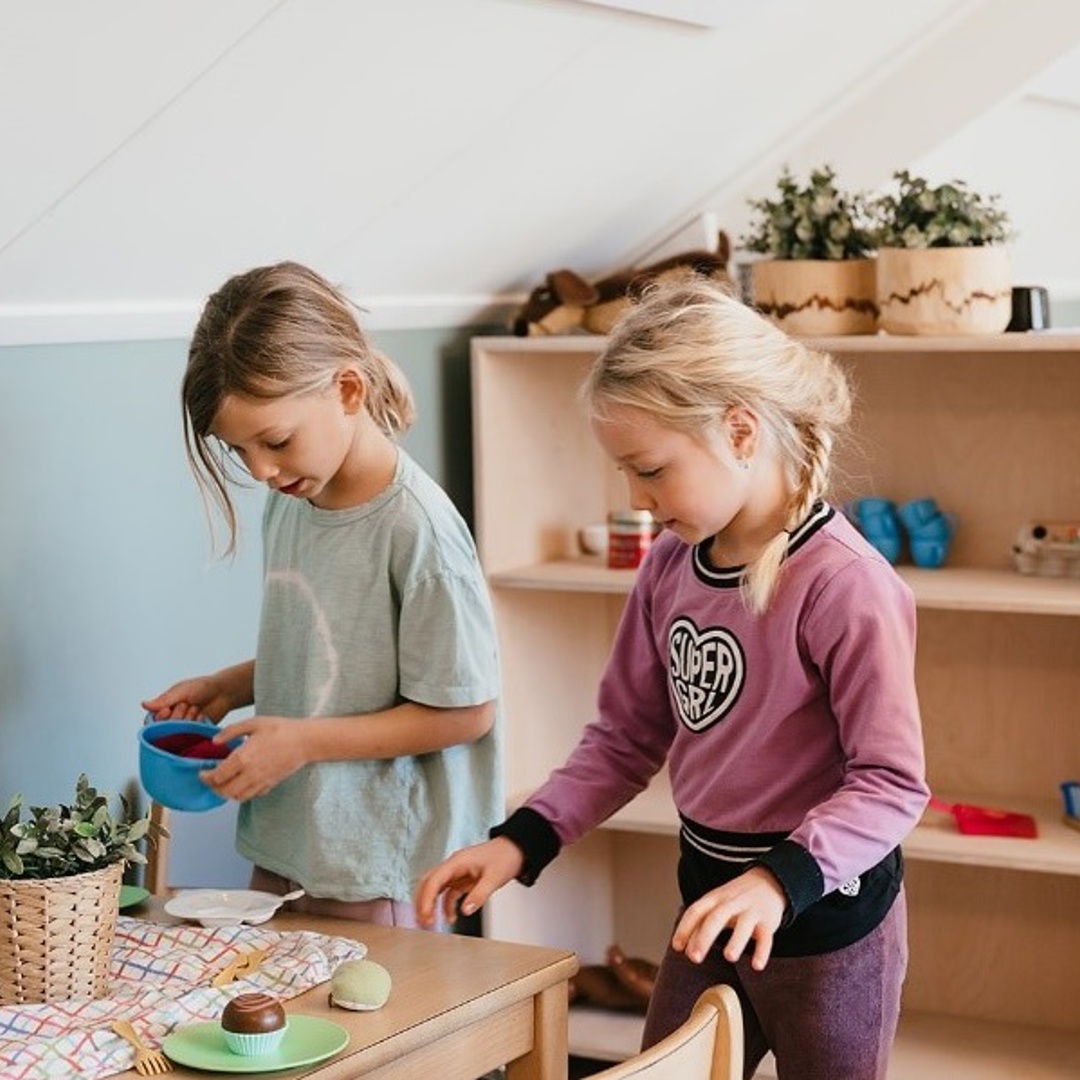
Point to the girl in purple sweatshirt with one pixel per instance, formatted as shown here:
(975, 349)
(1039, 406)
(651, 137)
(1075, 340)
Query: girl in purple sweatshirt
(766, 654)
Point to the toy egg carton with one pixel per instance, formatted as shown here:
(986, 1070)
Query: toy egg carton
(1048, 549)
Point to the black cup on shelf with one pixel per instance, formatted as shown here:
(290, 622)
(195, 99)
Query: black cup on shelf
(1030, 308)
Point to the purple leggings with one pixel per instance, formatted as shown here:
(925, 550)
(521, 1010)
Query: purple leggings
(826, 1017)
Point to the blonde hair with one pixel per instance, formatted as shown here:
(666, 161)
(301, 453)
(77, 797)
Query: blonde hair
(688, 352)
(276, 331)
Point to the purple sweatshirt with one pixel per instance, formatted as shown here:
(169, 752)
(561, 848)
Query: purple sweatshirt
(792, 738)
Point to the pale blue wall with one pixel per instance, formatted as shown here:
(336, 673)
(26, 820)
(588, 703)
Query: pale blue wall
(108, 592)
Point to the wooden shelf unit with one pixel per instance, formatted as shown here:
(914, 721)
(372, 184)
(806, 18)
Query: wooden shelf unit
(991, 428)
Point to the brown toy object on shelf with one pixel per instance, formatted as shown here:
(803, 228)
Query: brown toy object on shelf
(596, 984)
(624, 984)
(556, 307)
(637, 975)
(566, 303)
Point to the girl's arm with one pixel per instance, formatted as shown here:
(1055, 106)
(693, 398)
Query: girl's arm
(861, 635)
(406, 729)
(277, 746)
(469, 876)
(213, 696)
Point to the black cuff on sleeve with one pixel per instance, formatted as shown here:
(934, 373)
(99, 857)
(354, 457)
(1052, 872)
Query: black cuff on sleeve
(799, 875)
(534, 834)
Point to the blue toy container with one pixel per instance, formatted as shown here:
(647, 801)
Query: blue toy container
(173, 780)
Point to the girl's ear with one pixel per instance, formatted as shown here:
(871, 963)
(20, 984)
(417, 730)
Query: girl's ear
(742, 429)
(352, 389)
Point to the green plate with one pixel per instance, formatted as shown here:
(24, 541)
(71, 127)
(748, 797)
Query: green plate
(130, 895)
(307, 1040)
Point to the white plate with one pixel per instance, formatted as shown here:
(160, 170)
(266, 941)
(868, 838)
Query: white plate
(223, 907)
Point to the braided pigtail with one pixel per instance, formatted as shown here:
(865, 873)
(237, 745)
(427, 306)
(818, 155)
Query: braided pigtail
(806, 434)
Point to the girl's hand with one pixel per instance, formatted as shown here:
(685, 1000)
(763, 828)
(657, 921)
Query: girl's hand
(752, 906)
(191, 699)
(471, 876)
(272, 750)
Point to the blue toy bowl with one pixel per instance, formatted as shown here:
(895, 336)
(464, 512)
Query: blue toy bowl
(173, 780)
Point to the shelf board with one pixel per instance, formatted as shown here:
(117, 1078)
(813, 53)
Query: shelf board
(926, 1046)
(946, 589)
(586, 574)
(1006, 591)
(1056, 850)
(1044, 341)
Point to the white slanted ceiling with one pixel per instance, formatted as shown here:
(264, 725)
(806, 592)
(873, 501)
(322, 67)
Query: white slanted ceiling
(438, 157)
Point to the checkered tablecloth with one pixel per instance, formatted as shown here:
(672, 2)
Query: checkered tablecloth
(160, 979)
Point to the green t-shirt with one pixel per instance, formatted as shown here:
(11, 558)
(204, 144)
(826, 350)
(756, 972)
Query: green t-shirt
(364, 608)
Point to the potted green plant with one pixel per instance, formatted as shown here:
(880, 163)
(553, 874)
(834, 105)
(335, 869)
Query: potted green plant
(943, 267)
(60, 873)
(818, 277)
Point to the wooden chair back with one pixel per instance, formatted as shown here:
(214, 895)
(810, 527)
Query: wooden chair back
(156, 870)
(708, 1046)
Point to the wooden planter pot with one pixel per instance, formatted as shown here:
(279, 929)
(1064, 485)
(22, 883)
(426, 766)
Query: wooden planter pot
(811, 297)
(944, 290)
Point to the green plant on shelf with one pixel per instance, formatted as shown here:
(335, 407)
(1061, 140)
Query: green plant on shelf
(816, 220)
(920, 215)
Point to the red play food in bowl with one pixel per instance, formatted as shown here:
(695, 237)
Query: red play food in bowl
(191, 746)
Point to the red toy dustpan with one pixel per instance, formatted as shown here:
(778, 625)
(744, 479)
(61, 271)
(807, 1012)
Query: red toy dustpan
(983, 821)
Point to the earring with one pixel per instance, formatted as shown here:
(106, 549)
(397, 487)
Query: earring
(743, 463)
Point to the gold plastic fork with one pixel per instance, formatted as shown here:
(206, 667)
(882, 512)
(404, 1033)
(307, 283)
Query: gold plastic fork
(147, 1062)
(240, 968)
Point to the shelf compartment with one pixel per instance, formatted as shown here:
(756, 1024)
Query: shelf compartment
(926, 1046)
(1056, 850)
(988, 427)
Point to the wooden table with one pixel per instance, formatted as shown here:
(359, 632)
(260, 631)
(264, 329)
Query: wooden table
(460, 1006)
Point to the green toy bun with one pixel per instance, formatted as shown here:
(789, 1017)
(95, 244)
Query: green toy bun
(361, 985)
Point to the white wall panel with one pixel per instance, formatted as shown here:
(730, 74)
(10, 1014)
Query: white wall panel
(439, 158)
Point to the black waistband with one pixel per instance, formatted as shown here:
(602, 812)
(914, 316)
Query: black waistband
(709, 858)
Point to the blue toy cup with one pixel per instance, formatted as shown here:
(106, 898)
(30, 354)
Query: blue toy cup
(887, 544)
(918, 512)
(929, 553)
(876, 520)
(871, 510)
(173, 780)
(939, 527)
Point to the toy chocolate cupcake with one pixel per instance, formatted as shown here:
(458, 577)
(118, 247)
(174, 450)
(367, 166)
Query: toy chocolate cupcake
(253, 1024)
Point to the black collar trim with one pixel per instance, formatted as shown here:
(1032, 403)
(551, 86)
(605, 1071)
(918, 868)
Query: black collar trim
(730, 577)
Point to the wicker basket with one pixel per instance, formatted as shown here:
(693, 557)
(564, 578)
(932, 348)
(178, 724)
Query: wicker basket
(56, 936)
